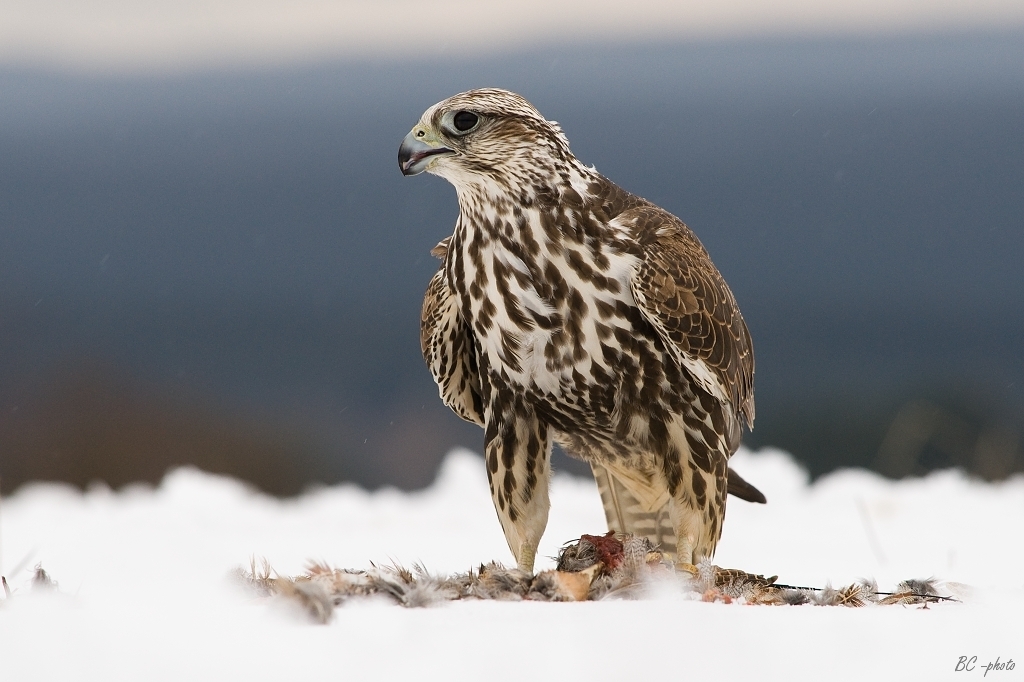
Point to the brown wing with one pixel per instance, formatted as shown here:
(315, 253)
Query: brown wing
(448, 348)
(681, 292)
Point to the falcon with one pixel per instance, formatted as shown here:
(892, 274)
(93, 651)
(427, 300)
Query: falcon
(569, 311)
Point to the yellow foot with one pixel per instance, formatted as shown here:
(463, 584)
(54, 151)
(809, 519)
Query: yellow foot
(687, 568)
(527, 556)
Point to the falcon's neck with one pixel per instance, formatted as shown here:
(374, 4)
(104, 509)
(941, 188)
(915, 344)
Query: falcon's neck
(498, 204)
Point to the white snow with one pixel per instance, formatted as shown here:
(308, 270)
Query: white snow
(144, 592)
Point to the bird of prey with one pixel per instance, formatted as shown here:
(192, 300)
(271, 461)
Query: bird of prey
(568, 310)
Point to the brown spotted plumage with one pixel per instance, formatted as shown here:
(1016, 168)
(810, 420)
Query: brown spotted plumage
(568, 310)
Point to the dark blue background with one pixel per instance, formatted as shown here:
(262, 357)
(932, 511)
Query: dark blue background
(227, 268)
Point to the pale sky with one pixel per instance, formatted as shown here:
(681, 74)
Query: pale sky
(169, 35)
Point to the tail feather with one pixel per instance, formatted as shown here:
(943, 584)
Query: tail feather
(743, 490)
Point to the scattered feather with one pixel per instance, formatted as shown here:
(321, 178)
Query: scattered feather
(41, 580)
(592, 568)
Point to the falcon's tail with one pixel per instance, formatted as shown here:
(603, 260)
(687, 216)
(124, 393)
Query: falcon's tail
(739, 487)
(626, 514)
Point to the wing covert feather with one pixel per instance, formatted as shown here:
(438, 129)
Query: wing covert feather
(681, 292)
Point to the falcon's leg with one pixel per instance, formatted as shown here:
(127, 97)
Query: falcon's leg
(627, 512)
(697, 476)
(518, 449)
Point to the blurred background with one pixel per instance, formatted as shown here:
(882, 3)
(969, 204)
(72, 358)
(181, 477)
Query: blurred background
(208, 255)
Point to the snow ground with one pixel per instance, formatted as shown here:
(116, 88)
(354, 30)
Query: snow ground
(144, 592)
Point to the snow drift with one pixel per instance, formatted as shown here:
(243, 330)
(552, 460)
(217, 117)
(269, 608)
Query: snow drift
(143, 588)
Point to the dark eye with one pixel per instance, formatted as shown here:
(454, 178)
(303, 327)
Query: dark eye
(464, 120)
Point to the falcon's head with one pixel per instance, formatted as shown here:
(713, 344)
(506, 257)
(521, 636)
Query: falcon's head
(485, 136)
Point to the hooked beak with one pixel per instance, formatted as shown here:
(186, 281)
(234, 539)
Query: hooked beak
(415, 153)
